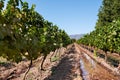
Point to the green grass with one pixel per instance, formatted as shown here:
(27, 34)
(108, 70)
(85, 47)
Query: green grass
(53, 59)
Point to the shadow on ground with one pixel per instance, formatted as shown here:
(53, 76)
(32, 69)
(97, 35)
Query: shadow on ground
(63, 71)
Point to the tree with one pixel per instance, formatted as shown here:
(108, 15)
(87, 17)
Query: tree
(109, 11)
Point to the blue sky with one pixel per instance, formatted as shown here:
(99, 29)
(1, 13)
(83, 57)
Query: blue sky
(74, 16)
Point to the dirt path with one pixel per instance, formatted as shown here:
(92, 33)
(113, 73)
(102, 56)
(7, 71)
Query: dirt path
(68, 67)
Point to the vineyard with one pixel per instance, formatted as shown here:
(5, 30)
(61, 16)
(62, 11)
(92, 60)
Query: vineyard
(24, 33)
(106, 35)
(32, 48)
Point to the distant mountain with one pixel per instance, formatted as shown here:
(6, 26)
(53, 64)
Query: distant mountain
(76, 36)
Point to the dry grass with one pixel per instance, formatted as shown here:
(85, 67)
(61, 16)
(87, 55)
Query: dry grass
(3, 59)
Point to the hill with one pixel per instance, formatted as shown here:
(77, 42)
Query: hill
(76, 36)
